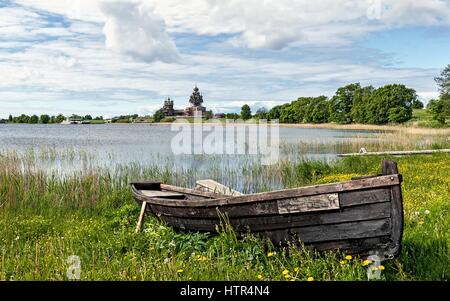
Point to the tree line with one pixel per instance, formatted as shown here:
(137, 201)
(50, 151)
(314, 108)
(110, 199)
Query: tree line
(350, 104)
(440, 107)
(47, 119)
(393, 103)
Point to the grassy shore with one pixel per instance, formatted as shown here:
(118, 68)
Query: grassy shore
(45, 219)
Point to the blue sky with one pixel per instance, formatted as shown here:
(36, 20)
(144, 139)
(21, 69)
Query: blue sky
(118, 57)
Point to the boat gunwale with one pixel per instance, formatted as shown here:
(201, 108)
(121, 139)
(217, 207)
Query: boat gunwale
(209, 201)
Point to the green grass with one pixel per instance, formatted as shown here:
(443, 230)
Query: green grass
(96, 121)
(423, 118)
(45, 219)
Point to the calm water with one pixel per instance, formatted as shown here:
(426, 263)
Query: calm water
(74, 146)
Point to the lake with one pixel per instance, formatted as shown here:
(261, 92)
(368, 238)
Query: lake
(73, 147)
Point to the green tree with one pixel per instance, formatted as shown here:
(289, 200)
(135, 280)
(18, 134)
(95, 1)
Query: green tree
(60, 118)
(361, 100)
(342, 102)
(443, 81)
(44, 119)
(440, 109)
(246, 113)
(398, 115)
(287, 113)
(299, 109)
(10, 118)
(34, 119)
(159, 115)
(22, 119)
(275, 113)
(87, 117)
(417, 104)
(318, 110)
(386, 104)
(233, 116)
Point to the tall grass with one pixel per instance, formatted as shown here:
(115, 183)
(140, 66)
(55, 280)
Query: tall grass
(400, 139)
(44, 218)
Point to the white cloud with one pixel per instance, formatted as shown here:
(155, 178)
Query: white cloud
(282, 23)
(427, 95)
(149, 109)
(256, 23)
(135, 30)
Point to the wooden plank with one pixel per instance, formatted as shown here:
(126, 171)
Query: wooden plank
(397, 153)
(363, 246)
(162, 194)
(362, 197)
(278, 222)
(270, 207)
(239, 210)
(213, 186)
(195, 192)
(390, 167)
(344, 231)
(320, 202)
(368, 183)
(141, 217)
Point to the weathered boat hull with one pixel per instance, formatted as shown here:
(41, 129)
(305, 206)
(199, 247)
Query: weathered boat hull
(360, 216)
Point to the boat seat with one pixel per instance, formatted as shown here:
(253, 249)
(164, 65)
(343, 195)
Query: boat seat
(163, 194)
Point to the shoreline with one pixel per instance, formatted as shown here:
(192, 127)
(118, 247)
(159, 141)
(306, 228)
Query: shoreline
(330, 126)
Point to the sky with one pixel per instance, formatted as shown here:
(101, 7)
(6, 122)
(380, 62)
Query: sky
(123, 57)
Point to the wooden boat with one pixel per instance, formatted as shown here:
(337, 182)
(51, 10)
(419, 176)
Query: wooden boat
(361, 216)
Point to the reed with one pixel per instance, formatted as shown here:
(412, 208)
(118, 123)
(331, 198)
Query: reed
(409, 128)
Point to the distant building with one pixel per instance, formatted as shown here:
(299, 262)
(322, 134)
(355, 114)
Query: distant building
(169, 110)
(219, 115)
(195, 108)
(72, 120)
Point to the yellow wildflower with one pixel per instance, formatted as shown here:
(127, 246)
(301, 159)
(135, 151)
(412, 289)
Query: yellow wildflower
(180, 271)
(348, 257)
(310, 279)
(421, 222)
(342, 262)
(285, 272)
(260, 277)
(381, 267)
(270, 254)
(287, 276)
(365, 262)
(296, 269)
